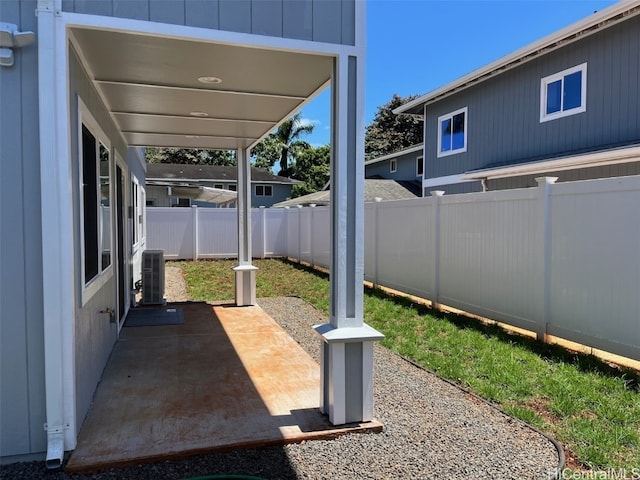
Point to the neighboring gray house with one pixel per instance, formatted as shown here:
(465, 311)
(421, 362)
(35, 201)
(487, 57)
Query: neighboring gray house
(373, 188)
(406, 165)
(566, 106)
(91, 83)
(171, 185)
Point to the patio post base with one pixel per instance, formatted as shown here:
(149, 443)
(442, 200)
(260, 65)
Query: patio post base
(245, 285)
(346, 376)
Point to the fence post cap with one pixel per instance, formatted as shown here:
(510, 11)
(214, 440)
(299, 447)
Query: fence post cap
(437, 193)
(378, 199)
(546, 180)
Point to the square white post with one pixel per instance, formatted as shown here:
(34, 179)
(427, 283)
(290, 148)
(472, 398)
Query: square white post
(245, 271)
(347, 350)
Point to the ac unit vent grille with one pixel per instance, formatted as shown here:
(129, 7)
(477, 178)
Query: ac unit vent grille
(153, 277)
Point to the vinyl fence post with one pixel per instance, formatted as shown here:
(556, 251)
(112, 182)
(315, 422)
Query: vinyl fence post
(263, 220)
(435, 302)
(194, 220)
(376, 243)
(299, 233)
(311, 228)
(544, 216)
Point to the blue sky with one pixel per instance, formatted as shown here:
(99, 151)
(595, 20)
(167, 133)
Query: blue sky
(415, 46)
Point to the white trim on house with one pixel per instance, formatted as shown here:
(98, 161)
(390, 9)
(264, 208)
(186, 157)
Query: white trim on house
(560, 76)
(446, 180)
(90, 288)
(594, 23)
(399, 153)
(450, 116)
(587, 160)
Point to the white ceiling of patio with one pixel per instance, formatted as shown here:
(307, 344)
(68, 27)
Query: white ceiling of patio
(181, 93)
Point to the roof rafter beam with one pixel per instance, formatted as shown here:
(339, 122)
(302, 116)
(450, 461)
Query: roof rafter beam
(199, 119)
(200, 90)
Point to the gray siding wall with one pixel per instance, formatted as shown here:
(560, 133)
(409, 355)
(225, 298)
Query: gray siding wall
(504, 112)
(280, 193)
(618, 170)
(22, 401)
(95, 335)
(405, 168)
(331, 21)
(455, 188)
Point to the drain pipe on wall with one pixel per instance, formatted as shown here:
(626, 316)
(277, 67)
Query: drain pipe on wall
(58, 295)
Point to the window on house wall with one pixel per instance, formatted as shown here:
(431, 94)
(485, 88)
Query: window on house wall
(233, 187)
(151, 202)
(96, 200)
(419, 166)
(393, 165)
(218, 185)
(182, 202)
(564, 93)
(264, 191)
(452, 133)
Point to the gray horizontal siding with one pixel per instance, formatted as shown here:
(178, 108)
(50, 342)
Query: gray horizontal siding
(455, 188)
(604, 171)
(22, 400)
(331, 21)
(280, 193)
(94, 334)
(504, 112)
(405, 168)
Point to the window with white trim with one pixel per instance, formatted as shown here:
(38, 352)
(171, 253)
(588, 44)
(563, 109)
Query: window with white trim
(563, 93)
(233, 187)
(419, 166)
(393, 165)
(218, 186)
(96, 178)
(264, 190)
(452, 133)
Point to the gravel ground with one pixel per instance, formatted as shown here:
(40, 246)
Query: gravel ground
(433, 430)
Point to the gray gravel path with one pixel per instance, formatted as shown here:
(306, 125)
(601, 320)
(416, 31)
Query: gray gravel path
(433, 430)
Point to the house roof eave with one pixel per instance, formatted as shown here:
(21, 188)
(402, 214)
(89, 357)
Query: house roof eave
(596, 22)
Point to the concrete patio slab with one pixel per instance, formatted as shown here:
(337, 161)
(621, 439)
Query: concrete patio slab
(228, 378)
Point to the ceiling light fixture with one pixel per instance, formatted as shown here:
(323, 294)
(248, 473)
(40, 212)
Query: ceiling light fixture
(210, 80)
(199, 114)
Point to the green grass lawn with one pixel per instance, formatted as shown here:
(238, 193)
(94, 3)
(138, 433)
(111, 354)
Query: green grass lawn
(591, 408)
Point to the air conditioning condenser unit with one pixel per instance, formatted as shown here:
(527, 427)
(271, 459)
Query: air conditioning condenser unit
(153, 277)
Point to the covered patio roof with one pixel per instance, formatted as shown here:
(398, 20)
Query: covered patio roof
(172, 92)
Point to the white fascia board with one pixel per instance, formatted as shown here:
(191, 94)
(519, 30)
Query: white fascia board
(578, 30)
(216, 180)
(596, 159)
(446, 180)
(415, 148)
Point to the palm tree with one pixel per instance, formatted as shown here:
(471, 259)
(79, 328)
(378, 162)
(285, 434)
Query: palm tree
(287, 140)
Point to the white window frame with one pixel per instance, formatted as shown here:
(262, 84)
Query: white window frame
(447, 116)
(420, 161)
(89, 289)
(544, 117)
(393, 165)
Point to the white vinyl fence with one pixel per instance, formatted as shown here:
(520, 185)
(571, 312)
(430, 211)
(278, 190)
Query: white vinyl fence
(560, 259)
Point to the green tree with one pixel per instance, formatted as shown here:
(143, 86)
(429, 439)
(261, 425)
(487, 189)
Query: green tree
(388, 132)
(185, 156)
(312, 166)
(284, 145)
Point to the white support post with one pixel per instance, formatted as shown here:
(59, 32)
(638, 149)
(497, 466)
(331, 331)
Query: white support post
(347, 359)
(435, 302)
(245, 271)
(544, 254)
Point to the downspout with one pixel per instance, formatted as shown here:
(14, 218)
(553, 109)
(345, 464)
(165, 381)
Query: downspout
(56, 306)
